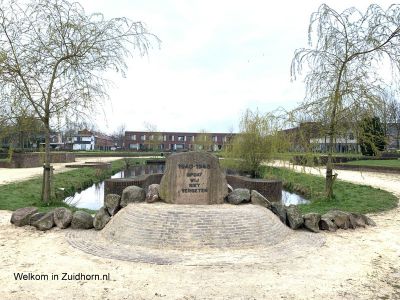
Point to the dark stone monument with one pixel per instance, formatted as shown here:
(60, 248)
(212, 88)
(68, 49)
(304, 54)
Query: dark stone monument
(193, 178)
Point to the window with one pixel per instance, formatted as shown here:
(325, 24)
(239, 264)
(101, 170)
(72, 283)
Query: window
(165, 138)
(151, 138)
(215, 138)
(133, 137)
(143, 137)
(181, 138)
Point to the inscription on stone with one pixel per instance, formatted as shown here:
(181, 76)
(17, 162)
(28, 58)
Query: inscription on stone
(193, 178)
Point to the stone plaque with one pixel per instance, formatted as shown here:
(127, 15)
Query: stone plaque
(193, 178)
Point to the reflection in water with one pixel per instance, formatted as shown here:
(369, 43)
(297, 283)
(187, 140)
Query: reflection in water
(140, 170)
(93, 197)
(290, 198)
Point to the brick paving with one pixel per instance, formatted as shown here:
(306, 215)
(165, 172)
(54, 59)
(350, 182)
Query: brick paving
(203, 235)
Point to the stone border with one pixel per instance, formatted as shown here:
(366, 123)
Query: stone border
(116, 186)
(35, 159)
(271, 189)
(96, 165)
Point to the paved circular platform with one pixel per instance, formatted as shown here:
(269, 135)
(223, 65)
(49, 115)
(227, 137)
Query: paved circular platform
(195, 235)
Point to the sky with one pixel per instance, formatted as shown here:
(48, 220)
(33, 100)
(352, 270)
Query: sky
(216, 59)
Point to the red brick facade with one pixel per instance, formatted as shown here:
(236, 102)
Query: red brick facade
(175, 141)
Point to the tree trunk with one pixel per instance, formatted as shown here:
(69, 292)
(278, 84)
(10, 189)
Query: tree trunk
(329, 179)
(46, 190)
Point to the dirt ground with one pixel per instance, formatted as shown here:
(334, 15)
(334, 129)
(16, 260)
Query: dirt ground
(353, 264)
(8, 175)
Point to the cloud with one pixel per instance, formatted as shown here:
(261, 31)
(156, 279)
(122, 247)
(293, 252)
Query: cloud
(217, 58)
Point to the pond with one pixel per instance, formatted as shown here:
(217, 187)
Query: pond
(93, 197)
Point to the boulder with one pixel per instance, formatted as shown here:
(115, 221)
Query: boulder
(294, 217)
(359, 220)
(112, 203)
(62, 217)
(81, 220)
(153, 193)
(279, 210)
(258, 199)
(21, 216)
(45, 223)
(101, 218)
(239, 196)
(343, 220)
(132, 194)
(368, 220)
(35, 217)
(311, 221)
(326, 224)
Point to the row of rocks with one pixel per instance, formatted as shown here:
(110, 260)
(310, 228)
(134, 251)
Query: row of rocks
(113, 202)
(292, 217)
(60, 217)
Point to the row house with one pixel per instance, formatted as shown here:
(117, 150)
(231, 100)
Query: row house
(175, 141)
(87, 140)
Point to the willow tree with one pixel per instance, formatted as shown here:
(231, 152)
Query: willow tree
(53, 57)
(345, 66)
(257, 141)
(203, 141)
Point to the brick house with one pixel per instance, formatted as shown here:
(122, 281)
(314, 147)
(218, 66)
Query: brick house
(175, 141)
(88, 140)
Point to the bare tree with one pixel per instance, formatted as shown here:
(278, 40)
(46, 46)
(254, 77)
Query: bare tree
(154, 137)
(344, 65)
(119, 136)
(53, 56)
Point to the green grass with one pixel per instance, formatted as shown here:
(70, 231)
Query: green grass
(27, 193)
(392, 163)
(347, 196)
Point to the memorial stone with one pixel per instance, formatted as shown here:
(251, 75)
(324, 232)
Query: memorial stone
(193, 178)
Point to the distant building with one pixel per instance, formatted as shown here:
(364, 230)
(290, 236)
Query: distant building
(175, 141)
(87, 140)
(309, 136)
(393, 136)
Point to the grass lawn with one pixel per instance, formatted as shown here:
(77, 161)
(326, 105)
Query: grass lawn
(392, 163)
(348, 197)
(27, 193)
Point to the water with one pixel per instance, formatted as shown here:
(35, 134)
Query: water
(93, 197)
(290, 198)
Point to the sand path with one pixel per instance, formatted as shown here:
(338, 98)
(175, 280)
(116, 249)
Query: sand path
(353, 264)
(8, 175)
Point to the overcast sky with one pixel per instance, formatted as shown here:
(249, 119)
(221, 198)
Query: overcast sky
(216, 59)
